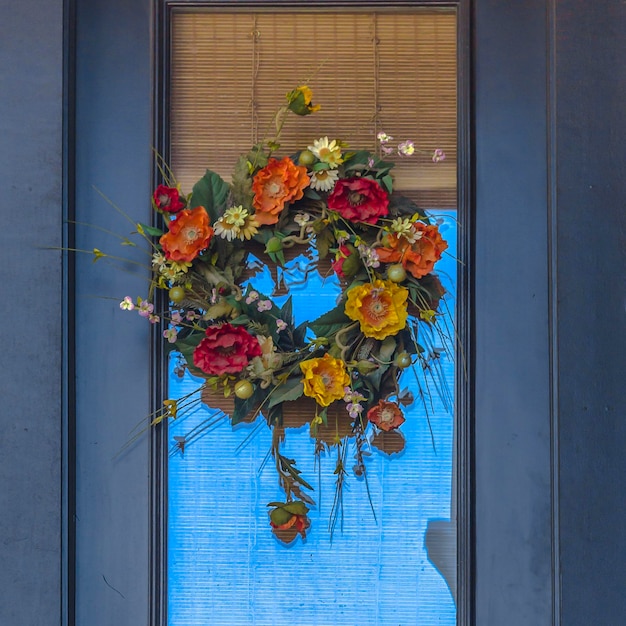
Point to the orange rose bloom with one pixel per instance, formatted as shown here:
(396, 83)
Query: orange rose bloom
(277, 184)
(418, 257)
(188, 235)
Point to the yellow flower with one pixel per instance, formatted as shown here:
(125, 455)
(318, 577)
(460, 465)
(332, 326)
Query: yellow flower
(249, 229)
(299, 101)
(324, 379)
(380, 308)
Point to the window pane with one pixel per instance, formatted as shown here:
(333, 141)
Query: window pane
(391, 558)
(227, 568)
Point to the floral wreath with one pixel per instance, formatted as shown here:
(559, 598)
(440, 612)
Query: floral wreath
(335, 205)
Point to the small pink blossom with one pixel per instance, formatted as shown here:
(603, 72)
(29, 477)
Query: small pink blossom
(280, 325)
(369, 256)
(176, 317)
(438, 155)
(190, 316)
(354, 409)
(154, 319)
(252, 296)
(145, 308)
(127, 304)
(170, 334)
(407, 148)
(264, 305)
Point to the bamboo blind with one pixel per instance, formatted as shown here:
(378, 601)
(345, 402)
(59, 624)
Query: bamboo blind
(384, 71)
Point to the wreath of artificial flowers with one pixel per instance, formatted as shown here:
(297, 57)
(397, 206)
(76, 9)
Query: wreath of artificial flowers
(336, 206)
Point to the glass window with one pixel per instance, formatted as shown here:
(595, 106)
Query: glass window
(384, 553)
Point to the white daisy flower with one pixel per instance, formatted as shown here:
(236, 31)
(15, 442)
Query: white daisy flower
(226, 230)
(324, 180)
(327, 151)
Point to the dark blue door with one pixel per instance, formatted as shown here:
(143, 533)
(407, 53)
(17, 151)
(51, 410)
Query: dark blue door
(547, 353)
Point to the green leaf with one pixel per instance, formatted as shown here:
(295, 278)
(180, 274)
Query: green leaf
(299, 334)
(360, 157)
(311, 193)
(387, 182)
(244, 407)
(323, 242)
(151, 230)
(286, 313)
(289, 391)
(385, 354)
(280, 516)
(211, 192)
(318, 167)
(186, 347)
(240, 320)
(296, 508)
(330, 322)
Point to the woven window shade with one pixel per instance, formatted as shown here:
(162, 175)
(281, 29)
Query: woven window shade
(384, 71)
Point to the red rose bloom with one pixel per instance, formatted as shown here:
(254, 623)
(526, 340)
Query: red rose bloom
(359, 200)
(168, 199)
(225, 349)
(386, 415)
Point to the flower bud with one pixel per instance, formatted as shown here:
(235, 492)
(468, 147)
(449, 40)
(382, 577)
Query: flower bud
(274, 245)
(366, 367)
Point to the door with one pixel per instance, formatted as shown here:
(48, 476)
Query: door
(515, 457)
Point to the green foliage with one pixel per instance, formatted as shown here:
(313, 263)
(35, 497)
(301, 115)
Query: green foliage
(289, 391)
(150, 230)
(211, 192)
(331, 322)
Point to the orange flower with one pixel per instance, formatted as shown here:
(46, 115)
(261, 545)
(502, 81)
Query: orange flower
(386, 415)
(188, 235)
(418, 257)
(277, 184)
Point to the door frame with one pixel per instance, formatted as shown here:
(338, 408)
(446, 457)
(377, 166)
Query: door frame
(508, 446)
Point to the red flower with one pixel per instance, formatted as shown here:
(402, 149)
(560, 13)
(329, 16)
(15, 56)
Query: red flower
(337, 265)
(225, 349)
(386, 415)
(168, 199)
(359, 200)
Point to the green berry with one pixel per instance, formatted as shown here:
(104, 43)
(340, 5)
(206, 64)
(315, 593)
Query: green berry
(177, 294)
(243, 389)
(396, 273)
(306, 158)
(403, 360)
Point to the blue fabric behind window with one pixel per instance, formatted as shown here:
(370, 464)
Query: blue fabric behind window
(225, 567)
